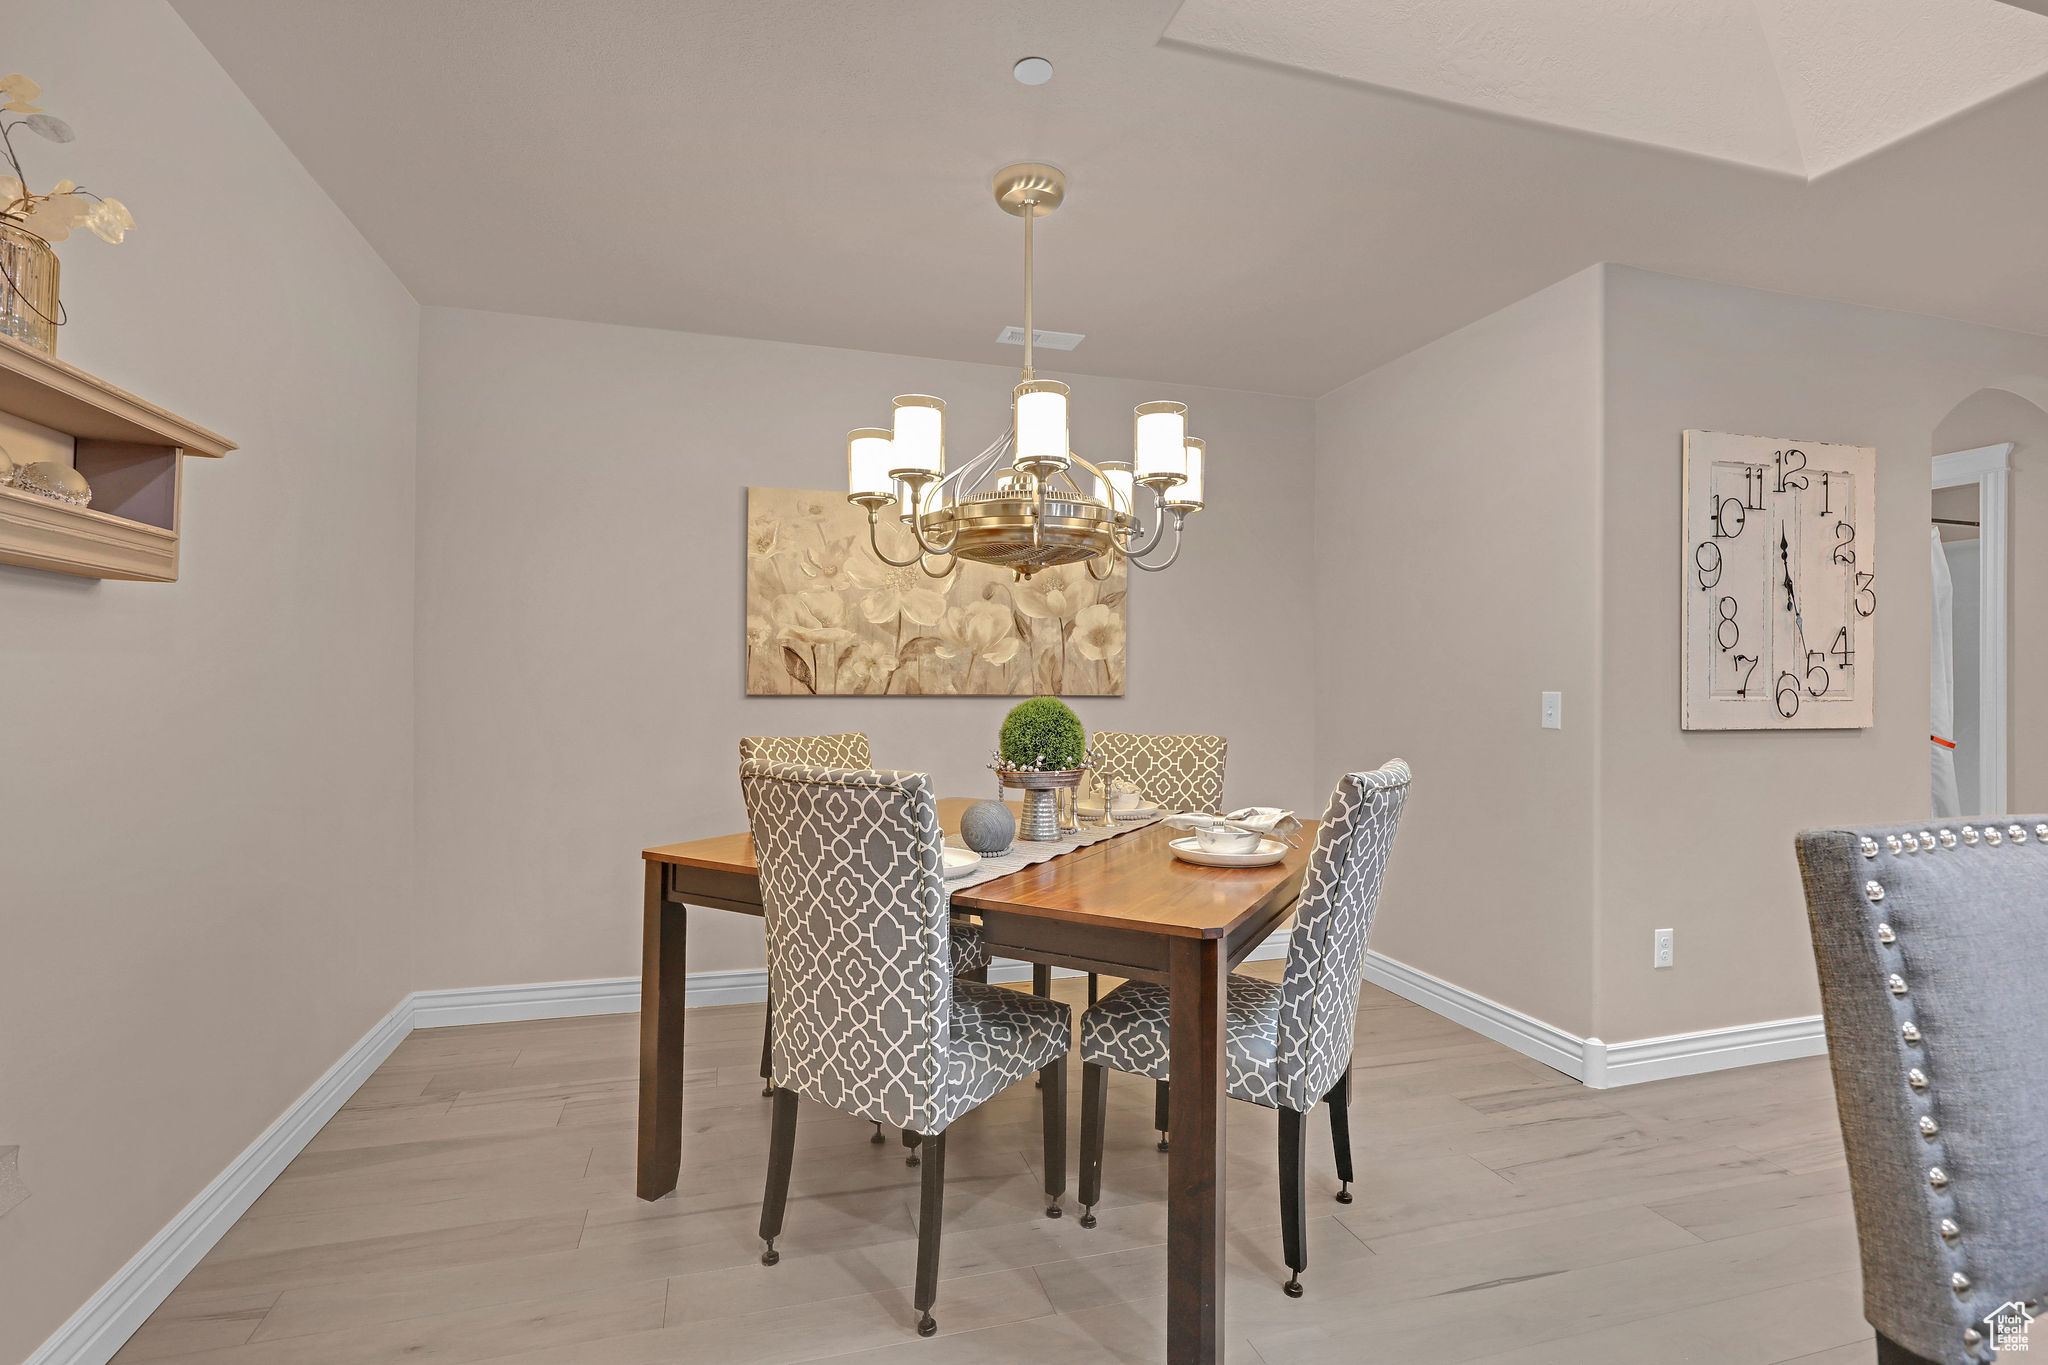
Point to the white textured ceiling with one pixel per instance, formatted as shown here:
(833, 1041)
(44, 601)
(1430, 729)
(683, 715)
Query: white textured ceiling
(818, 172)
(1801, 86)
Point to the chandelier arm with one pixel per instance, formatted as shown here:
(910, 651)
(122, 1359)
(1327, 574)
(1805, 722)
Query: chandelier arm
(917, 527)
(1158, 528)
(966, 475)
(933, 493)
(952, 563)
(1106, 574)
(1179, 519)
(875, 543)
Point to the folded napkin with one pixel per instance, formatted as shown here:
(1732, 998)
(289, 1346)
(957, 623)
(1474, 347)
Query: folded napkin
(1266, 820)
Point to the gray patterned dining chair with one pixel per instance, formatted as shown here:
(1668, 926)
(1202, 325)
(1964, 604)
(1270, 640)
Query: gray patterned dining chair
(1287, 1043)
(1177, 773)
(869, 1016)
(1932, 945)
(849, 750)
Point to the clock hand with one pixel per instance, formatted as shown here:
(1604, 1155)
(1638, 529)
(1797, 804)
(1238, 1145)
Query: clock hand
(1791, 596)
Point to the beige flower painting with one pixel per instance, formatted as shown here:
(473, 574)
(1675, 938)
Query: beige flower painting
(826, 617)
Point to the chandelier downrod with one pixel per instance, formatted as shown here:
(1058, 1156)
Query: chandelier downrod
(1030, 333)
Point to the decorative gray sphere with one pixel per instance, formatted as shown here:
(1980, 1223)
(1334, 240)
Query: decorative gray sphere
(987, 827)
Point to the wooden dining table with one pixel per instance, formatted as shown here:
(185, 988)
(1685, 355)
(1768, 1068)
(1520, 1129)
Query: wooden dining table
(1122, 907)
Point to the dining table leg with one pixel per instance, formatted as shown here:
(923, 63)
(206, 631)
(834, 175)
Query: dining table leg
(663, 932)
(1197, 972)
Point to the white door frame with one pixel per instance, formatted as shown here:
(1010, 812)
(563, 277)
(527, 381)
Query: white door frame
(1987, 466)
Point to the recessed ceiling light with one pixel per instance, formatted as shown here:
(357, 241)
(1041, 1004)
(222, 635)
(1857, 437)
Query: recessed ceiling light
(1033, 71)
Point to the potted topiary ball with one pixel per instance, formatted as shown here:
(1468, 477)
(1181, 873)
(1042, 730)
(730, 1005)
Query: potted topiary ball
(1043, 748)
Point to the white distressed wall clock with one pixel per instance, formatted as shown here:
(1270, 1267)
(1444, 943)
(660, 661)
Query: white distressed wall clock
(1781, 587)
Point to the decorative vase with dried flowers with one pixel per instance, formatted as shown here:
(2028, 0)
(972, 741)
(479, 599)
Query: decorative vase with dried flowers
(29, 309)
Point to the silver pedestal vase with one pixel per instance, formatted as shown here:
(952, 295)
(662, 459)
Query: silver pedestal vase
(1041, 819)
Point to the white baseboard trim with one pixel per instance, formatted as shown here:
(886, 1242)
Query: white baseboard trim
(1527, 1035)
(1600, 1064)
(538, 1000)
(1689, 1054)
(106, 1321)
(100, 1328)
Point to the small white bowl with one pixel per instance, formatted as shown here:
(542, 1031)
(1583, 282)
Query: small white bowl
(1226, 840)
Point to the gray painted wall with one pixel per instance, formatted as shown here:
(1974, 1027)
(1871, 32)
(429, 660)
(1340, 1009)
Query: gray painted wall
(581, 501)
(205, 877)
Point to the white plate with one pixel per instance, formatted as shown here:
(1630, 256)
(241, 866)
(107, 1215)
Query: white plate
(1189, 850)
(958, 862)
(1137, 813)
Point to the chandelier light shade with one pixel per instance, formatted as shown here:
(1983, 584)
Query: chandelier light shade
(919, 439)
(1188, 492)
(869, 458)
(1027, 501)
(1159, 446)
(1041, 426)
(1117, 475)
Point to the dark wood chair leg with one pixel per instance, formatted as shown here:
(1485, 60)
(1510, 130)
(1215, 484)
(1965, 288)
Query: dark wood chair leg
(1094, 1120)
(1889, 1352)
(910, 1140)
(768, 1049)
(1339, 1100)
(878, 1139)
(1293, 1224)
(1041, 984)
(781, 1153)
(1162, 1105)
(1054, 1104)
(1094, 984)
(979, 974)
(930, 1214)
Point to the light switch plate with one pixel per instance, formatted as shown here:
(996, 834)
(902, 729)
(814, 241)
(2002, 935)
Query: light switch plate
(1553, 709)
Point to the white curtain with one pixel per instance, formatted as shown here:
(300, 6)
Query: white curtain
(1942, 728)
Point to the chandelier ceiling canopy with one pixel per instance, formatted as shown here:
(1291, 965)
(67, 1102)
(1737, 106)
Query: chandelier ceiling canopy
(1027, 502)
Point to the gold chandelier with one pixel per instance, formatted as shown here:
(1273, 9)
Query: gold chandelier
(1046, 505)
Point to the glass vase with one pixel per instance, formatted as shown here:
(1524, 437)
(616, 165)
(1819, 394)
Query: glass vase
(28, 289)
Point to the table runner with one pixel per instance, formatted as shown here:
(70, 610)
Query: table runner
(1024, 852)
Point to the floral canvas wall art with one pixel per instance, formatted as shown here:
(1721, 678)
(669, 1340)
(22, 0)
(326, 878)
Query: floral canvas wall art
(826, 617)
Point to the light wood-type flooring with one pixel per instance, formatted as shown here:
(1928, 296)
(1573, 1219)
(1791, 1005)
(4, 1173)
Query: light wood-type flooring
(474, 1202)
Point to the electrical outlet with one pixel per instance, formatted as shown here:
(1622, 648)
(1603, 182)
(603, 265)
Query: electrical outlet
(1553, 708)
(1663, 949)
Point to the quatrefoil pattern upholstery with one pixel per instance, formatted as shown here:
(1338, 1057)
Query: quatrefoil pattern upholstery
(1175, 772)
(1128, 1029)
(1932, 944)
(867, 1016)
(1288, 1041)
(820, 751)
(850, 750)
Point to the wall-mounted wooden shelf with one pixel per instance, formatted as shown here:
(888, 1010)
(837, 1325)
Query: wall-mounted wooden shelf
(130, 451)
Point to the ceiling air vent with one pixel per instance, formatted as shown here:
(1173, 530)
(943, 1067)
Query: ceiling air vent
(1013, 335)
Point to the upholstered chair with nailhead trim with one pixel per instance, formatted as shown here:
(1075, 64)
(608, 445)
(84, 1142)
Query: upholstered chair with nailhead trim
(849, 750)
(1176, 773)
(1287, 1043)
(869, 1017)
(1932, 944)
